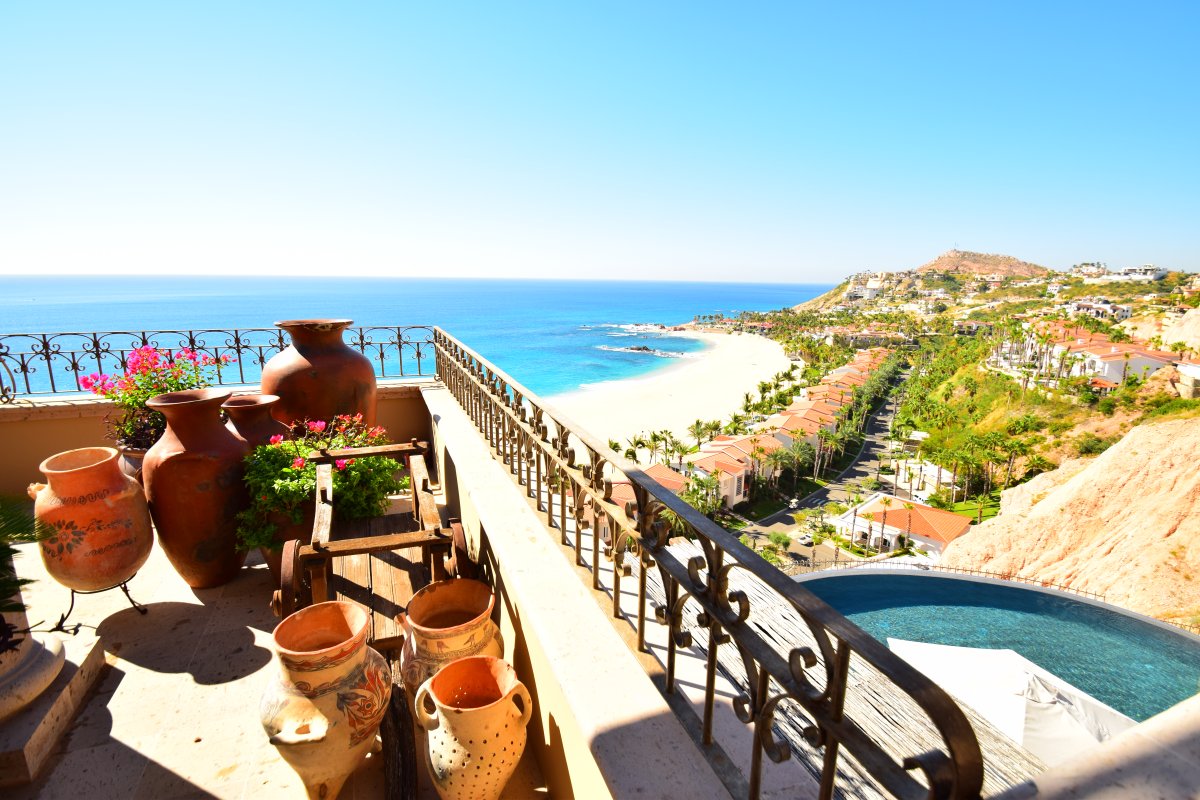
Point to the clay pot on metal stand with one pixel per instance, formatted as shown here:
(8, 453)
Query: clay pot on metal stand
(97, 520)
(319, 377)
(326, 703)
(194, 484)
(447, 620)
(476, 729)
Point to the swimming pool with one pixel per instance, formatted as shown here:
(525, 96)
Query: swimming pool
(1133, 665)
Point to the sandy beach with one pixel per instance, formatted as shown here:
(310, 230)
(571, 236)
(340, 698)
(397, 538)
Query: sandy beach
(708, 387)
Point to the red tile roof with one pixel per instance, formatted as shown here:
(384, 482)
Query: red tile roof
(927, 522)
(669, 478)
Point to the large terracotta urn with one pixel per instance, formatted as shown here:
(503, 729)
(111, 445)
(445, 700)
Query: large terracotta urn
(250, 418)
(193, 478)
(447, 620)
(95, 518)
(319, 377)
(476, 729)
(326, 702)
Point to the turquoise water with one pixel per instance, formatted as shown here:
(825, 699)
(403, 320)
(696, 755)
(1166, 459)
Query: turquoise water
(1137, 668)
(553, 336)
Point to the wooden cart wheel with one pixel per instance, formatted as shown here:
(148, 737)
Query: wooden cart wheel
(293, 591)
(460, 563)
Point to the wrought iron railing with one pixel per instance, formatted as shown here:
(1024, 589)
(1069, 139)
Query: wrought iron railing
(569, 476)
(33, 364)
(820, 566)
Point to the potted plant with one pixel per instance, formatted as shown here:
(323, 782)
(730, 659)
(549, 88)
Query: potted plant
(282, 482)
(148, 372)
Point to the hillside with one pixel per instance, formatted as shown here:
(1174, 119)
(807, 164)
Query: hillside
(1125, 524)
(1184, 329)
(830, 298)
(966, 262)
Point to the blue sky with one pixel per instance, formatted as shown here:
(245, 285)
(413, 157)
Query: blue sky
(764, 142)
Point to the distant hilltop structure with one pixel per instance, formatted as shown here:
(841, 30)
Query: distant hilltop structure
(992, 266)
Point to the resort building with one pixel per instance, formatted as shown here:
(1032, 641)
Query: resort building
(882, 519)
(733, 474)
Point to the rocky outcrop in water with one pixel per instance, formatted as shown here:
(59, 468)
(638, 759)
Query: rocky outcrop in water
(1125, 524)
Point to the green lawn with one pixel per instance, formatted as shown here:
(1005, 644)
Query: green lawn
(970, 508)
(760, 507)
(730, 522)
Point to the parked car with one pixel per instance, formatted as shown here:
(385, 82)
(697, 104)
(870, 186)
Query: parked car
(806, 540)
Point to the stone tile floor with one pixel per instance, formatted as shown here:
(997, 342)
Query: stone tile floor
(175, 712)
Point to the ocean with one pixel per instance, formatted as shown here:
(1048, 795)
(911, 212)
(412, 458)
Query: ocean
(553, 336)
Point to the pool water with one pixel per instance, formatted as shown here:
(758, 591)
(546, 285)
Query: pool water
(1137, 668)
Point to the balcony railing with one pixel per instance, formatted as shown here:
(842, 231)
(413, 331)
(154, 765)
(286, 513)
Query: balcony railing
(33, 364)
(793, 695)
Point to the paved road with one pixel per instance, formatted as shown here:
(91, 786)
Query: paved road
(874, 448)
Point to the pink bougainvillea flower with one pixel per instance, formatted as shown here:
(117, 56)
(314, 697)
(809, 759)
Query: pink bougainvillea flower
(298, 463)
(277, 438)
(341, 463)
(317, 426)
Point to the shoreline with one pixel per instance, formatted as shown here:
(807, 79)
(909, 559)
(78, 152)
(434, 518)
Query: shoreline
(706, 387)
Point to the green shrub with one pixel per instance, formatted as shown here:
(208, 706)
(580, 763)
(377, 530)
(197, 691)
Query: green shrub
(282, 481)
(1089, 444)
(1107, 406)
(780, 539)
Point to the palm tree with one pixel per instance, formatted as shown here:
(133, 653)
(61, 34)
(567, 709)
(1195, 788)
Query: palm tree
(908, 528)
(712, 428)
(697, 430)
(778, 460)
(736, 424)
(801, 455)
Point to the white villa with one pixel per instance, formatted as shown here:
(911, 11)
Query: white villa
(883, 518)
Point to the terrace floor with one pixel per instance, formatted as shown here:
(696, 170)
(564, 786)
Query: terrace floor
(174, 713)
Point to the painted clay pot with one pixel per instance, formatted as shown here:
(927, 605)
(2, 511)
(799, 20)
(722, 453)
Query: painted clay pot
(250, 418)
(319, 377)
(324, 706)
(447, 620)
(476, 730)
(194, 483)
(96, 517)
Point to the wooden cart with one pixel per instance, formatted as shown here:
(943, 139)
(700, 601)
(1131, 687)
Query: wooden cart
(378, 563)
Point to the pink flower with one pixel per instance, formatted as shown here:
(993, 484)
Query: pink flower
(277, 438)
(317, 427)
(298, 463)
(341, 463)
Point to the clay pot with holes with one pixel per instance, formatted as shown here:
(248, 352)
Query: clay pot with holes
(326, 702)
(474, 711)
(194, 484)
(319, 376)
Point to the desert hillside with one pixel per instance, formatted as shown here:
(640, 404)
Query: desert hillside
(964, 261)
(1184, 329)
(1125, 524)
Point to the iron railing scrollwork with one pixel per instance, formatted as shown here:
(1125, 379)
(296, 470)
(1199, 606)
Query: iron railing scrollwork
(33, 364)
(570, 476)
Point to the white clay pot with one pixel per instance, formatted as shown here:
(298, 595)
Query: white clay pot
(475, 727)
(447, 620)
(324, 707)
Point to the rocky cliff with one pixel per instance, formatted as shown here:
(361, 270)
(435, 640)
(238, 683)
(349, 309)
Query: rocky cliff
(1125, 524)
(966, 262)
(1169, 328)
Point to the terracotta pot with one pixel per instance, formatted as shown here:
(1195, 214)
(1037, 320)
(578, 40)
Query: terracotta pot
(194, 484)
(323, 708)
(250, 418)
(319, 377)
(447, 620)
(476, 731)
(101, 528)
(130, 461)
